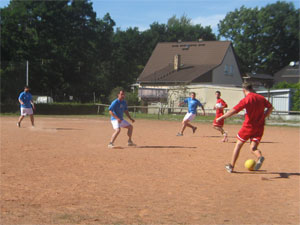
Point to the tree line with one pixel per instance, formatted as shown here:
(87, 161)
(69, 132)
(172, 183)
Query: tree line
(73, 52)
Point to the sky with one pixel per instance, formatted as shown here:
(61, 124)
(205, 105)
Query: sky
(142, 13)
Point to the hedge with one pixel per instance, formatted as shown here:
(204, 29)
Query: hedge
(56, 109)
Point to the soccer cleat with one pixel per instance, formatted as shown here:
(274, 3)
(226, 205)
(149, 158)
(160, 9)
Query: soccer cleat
(179, 134)
(110, 145)
(194, 129)
(18, 124)
(229, 168)
(259, 163)
(130, 143)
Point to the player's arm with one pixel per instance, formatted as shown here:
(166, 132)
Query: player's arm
(182, 103)
(128, 115)
(20, 99)
(115, 116)
(32, 104)
(203, 109)
(268, 112)
(230, 113)
(21, 102)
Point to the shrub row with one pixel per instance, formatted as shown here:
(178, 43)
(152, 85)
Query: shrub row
(56, 109)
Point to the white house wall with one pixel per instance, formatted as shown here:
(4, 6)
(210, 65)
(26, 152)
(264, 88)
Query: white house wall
(231, 77)
(206, 95)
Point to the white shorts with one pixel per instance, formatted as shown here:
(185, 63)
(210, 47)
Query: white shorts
(26, 111)
(189, 116)
(117, 125)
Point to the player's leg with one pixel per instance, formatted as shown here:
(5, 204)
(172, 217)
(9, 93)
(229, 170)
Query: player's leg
(236, 152)
(129, 127)
(219, 126)
(129, 132)
(115, 135)
(184, 122)
(254, 147)
(242, 137)
(23, 114)
(220, 129)
(20, 120)
(116, 127)
(32, 119)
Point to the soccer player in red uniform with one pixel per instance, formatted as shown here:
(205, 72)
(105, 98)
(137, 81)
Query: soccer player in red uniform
(253, 126)
(219, 107)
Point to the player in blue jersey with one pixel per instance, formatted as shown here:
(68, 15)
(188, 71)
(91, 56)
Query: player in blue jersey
(193, 103)
(116, 110)
(27, 106)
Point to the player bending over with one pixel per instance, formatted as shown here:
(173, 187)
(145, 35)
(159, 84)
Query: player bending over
(219, 107)
(116, 110)
(193, 103)
(253, 126)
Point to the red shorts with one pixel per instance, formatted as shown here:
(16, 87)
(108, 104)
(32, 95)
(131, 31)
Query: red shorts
(254, 134)
(218, 124)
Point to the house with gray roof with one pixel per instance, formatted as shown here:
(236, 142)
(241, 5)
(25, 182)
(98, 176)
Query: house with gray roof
(289, 74)
(189, 63)
(209, 62)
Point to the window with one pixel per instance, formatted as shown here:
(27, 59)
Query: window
(231, 69)
(228, 70)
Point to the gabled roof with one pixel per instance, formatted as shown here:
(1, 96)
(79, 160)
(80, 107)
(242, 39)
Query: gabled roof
(197, 59)
(290, 73)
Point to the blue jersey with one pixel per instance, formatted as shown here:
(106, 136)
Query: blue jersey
(118, 107)
(26, 98)
(192, 105)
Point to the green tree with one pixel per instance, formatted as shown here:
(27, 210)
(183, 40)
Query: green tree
(265, 39)
(64, 43)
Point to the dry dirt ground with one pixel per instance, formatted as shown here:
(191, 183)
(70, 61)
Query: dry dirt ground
(61, 172)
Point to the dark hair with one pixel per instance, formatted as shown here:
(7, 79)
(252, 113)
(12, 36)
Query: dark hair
(26, 86)
(248, 86)
(193, 93)
(218, 92)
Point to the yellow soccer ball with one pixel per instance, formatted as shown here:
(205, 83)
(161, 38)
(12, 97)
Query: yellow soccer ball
(250, 164)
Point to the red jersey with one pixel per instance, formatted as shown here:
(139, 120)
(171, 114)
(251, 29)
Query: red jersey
(220, 111)
(255, 105)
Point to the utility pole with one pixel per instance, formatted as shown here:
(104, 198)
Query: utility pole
(27, 74)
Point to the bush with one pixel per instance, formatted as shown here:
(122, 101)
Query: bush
(131, 97)
(57, 109)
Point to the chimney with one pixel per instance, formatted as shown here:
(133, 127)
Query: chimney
(177, 62)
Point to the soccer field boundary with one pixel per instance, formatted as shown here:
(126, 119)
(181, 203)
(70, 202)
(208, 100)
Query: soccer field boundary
(235, 120)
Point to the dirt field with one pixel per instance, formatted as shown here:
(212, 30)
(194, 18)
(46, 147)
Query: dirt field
(61, 172)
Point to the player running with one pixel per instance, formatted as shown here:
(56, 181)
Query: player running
(253, 126)
(116, 110)
(27, 106)
(193, 103)
(219, 107)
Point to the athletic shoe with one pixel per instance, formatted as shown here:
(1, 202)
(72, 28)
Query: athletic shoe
(229, 168)
(179, 134)
(259, 163)
(110, 145)
(130, 143)
(194, 129)
(225, 137)
(18, 124)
